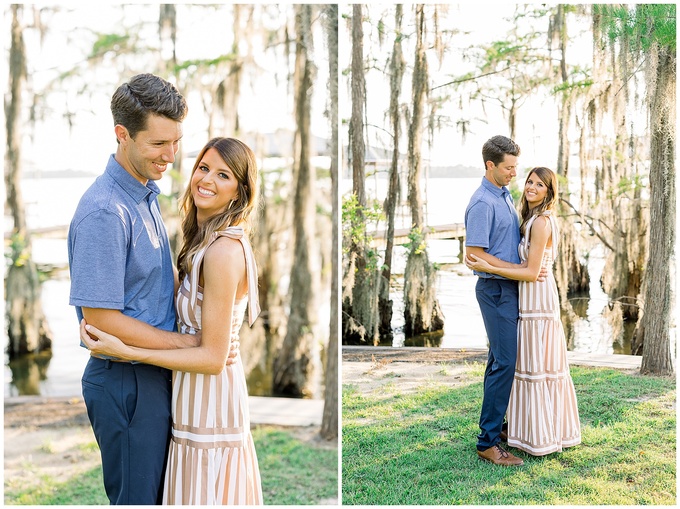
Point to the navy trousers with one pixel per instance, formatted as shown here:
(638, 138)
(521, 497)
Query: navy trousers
(499, 302)
(129, 409)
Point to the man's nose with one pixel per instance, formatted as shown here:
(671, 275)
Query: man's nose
(169, 154)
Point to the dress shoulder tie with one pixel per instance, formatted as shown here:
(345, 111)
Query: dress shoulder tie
(236, 233)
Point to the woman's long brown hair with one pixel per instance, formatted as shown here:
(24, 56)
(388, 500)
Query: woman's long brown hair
(241, 161)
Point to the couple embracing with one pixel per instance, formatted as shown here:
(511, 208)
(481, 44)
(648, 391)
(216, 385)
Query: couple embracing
(527, 375)
(169, 408)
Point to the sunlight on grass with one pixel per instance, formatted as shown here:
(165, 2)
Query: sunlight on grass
(294, 472)
(420, 448)
(48, 447)
(88, 447)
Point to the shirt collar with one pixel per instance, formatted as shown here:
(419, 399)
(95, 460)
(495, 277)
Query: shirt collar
(130, 185)
(498, 191)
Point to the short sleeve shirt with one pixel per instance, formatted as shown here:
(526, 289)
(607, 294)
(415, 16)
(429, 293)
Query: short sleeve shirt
(118, 250)
(491, 222)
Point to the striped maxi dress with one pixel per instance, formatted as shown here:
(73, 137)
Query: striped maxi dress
(212, 458)
(543, 413)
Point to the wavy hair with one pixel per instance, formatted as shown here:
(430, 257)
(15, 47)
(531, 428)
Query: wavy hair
(144, 95)
(494, 149)
(549, 178)
(241, 161)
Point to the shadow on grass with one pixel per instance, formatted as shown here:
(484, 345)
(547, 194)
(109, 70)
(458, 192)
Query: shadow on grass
(420, 448)
(293, 472)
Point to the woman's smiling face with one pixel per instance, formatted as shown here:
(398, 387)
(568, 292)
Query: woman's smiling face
(535, 190)
(213, 185)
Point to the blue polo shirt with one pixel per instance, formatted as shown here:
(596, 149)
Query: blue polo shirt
(118, 250)
(491, 222)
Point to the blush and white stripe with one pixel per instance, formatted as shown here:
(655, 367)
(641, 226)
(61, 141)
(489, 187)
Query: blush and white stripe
(543, 412)
(212, 459)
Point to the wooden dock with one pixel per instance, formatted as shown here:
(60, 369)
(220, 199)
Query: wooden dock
(454, 231)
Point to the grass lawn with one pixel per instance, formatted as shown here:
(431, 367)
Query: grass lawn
(293, 471)
(418, 447)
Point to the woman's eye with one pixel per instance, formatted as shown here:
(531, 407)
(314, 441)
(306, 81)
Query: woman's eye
(224, 175)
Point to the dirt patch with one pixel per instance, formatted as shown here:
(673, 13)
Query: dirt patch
(380, 376)
(52, 437)
(412, 354)
(46, 438)
(45, 413)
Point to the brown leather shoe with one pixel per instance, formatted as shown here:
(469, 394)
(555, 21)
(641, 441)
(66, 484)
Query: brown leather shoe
(499, 456)
(504, 433)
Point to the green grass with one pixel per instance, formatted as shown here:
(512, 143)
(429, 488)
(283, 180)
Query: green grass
(84, 489)
(419, 448)
(293, 473)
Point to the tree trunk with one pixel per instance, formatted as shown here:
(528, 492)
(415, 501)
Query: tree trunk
(229, 89)
(329, 421)
(294, 366)
(571, 275)
(654, 328)
(261, 342)
(27, 328)
(421, 307)
(397, 66)
(360, 279)
(167, 30)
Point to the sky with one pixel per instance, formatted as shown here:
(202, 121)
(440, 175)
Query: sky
(264, 106)
(481, 22)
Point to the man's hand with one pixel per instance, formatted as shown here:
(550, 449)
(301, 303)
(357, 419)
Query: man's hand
(543, 274)
(188, 340)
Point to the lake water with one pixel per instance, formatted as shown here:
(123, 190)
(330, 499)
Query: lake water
(446, 201)
(52, 202)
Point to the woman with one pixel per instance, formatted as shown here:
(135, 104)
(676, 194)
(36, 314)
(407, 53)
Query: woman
(212, 458)
(542, 413)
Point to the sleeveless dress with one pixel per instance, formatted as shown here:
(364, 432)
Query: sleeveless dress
(212, 458)
(543, 413)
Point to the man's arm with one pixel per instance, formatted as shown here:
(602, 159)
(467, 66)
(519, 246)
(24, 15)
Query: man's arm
(533, 271)
(134, 332)
(496, 262)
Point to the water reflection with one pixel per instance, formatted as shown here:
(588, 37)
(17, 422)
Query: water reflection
(58, 373)
(594, 326)
(29, 371)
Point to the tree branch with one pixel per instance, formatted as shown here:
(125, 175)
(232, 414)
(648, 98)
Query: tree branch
(589, 223)
(469, 79)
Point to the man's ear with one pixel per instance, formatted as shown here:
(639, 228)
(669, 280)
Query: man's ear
(122, 134)
(490, 165)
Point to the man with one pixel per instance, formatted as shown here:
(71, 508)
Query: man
(492, 233)
(123, 280)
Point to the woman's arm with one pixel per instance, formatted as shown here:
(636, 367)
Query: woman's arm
(223, 269)
(135, 332)
(538, 239)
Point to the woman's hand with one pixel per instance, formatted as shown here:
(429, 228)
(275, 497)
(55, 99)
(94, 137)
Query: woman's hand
(102, 343)
(476, 263)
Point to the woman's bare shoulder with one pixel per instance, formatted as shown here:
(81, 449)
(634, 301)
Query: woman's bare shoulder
(225, 252)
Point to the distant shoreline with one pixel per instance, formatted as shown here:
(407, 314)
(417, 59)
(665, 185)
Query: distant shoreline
(51, 174)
